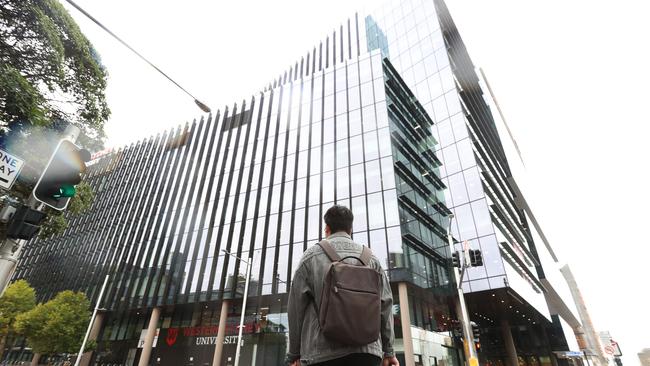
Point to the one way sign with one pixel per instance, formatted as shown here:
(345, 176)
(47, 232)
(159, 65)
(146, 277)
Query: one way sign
(9, 169)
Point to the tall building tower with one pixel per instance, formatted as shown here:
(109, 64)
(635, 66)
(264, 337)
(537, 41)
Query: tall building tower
(254, 180)
(644, 357)
(594, 347)
(386, 115)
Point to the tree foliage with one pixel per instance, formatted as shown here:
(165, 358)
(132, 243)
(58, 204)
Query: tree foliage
(19, 297)
(58, 326)
(49, 71)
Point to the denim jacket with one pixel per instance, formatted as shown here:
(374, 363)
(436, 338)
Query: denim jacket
(306, 341)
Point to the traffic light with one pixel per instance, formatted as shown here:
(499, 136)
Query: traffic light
(25, 223)
(455, 259)
(475, 257)
(62, 173)
(476, 332)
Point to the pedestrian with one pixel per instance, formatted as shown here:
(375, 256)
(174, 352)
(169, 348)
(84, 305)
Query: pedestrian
(340, 310)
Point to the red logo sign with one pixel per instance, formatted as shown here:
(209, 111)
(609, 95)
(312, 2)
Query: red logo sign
(172, 334)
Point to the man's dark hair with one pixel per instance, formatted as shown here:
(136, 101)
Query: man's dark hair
(339, 218)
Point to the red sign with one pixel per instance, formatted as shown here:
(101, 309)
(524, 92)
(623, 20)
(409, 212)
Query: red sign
(172, 334)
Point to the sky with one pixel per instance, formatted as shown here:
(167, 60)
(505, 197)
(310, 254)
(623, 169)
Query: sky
(570, 76)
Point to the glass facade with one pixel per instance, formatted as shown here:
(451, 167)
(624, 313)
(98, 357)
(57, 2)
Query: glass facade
(255, 180)
(387, 116)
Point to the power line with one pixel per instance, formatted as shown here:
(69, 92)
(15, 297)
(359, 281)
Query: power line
(203, 106)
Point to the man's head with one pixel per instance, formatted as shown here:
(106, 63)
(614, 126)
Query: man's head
(338, 218)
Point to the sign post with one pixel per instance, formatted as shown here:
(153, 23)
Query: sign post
(10, 166)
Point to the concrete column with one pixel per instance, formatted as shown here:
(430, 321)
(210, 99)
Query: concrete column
(35, 359)
(94, 333)
(221, 333)
(405, 317)
(149, 336)
(506, 333)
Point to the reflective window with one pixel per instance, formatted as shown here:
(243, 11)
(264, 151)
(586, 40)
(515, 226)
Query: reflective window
(301, 192)
(314, 189)
(382, 115)
(373, 176)
(370, 145)
(302, 164)
(356, 150)
(342, 183)
(458, 126)
(452, 162)
(388, 175)
(458, 190)
(466, 153)
(328, 131)
(299, 225)
(342, 154)
(390, 206)
(367, 97)
(474, 185)
(359, 211)
(314, 165)
(355, 122)
(353, 98)
(376, 208)
(377, 244)
(465, 222)
(328, 186)
(384, 142)
(482, 218)
(328, 107)
(313, 223)
(369, 120)
(341, 127)
(316, 135)
(357, 180)
(328, 157)
(341, 102)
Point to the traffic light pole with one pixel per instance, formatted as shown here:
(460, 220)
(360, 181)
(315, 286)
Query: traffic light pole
(10, 248)
(463, 315)
(10, 251)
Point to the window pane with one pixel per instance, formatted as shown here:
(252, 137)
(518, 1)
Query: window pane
(376, 208)
(357, 179)
(342, 183)
(373, 177)
(359, 211)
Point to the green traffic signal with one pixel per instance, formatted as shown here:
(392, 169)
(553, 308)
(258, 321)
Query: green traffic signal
(65, 191)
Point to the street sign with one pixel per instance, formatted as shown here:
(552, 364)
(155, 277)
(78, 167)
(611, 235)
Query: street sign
(10, 166)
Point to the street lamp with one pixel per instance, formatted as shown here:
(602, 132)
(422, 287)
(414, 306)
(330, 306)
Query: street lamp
(201, 105)
(243, 307)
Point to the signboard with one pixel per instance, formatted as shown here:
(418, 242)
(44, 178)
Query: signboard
(10, 166)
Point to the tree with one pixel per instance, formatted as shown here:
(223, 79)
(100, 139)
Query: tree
(18, 298)
(49, 72)
(50, 76)
(58, 326)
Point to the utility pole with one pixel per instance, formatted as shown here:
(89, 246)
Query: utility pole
(463, 316)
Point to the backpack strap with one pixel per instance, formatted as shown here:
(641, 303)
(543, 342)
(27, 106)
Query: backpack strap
(329, 250)
(366, 254)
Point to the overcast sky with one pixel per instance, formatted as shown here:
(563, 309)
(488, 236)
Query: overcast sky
(571, 77)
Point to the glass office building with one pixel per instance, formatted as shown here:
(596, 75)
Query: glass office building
(255, 180)
(386, 115)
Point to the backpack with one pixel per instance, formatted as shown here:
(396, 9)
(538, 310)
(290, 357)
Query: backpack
(350, 304)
